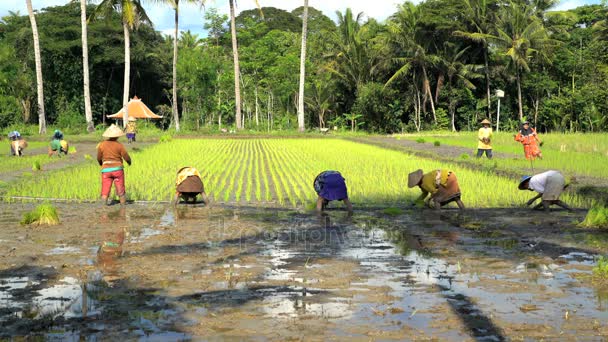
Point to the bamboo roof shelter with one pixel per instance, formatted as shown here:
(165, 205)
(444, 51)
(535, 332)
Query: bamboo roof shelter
(137, 109)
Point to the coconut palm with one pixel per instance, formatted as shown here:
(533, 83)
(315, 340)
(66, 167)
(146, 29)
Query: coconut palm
(41, 114)
(302, 69)
(521, 36)
(85, 67)
(132, 15)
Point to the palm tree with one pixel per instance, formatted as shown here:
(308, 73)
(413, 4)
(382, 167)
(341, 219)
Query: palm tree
(405, 32)
(521, 36)
(480, 17)
(237, 69)
(175, 5)
(41, 114)
(132, 14)
(302, 69)
(85, 67)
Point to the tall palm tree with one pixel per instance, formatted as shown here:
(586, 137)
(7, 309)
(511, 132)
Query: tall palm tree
(175, 5)
(85, 67)
(132, 15)
(521, 36)
(38, 60)
(480, 16)
(302, 69)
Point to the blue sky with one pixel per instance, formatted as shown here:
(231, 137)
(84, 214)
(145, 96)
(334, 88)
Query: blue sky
(191, 16)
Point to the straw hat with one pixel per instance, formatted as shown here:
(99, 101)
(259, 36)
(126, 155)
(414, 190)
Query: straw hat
(113, 132)
(131, 118)
(414, 178)
(486, 121)
(522, 181)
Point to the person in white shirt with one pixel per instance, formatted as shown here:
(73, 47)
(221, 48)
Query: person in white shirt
(549, 185)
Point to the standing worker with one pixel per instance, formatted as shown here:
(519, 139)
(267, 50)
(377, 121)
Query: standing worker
(549, 185)
(17, 143)
(131, 129)
(528, 137)
(110, 154)
(441, 184)
(58, 144)
(188, 185)
(331, 186)
(484, 145)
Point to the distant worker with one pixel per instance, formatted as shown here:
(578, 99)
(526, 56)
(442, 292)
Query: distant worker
(331, 186)
(110, 155)
(17, 143)
(131, 129)
(549, 185)
(528, 137)
(441, 184)
(484, 137)
(58, 144)
(189, 185)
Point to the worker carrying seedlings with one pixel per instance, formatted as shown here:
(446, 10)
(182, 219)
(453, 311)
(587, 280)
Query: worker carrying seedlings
(110, 155)
(189, 185)
(484, 137)
(331, 186)
(441, 184)
(549, 185)
(17, 143)
(131, 129)
(527, 136)
(58, 144)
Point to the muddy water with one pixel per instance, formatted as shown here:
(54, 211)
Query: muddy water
(157, 273)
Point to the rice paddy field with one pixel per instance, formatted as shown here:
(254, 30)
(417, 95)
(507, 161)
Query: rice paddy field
(277, 171)
(578, 154)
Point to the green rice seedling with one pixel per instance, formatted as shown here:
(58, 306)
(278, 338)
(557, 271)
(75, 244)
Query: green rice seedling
(600, 270)
(44, 214)
(420, 140)
(36, 166)
(464, 156)
(597, 217)
(73, 150)
(437, 143)
(392, 211)
(165, 138)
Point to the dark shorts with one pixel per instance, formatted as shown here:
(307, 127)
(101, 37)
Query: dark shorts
(131, 136)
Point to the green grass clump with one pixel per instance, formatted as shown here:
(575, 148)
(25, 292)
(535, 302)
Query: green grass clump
(600, 271)
(420, 140)
(597, 217)
(36, 166)
(392, 211)
(437, 143)
(165, 138)
(44, 214)
(464, 156)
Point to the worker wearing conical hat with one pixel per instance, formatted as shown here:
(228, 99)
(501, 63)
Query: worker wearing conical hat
(484, 137)
(441, 184)
(188, 185)
(549, 185)
(110, 155)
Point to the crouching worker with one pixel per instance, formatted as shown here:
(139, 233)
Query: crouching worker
(441, 184)
(331, 186)
(17, 143)
(58, 147)
(188, 185)
(110, 154)
(549, 186)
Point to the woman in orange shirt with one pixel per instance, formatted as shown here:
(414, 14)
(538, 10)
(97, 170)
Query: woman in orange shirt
(528, 137)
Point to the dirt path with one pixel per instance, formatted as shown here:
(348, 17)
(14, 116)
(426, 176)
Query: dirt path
(159, 273)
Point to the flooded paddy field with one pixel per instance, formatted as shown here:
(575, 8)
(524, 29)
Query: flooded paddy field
(152, 272)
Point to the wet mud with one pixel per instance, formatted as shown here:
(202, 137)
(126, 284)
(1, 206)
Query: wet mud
(259, 273)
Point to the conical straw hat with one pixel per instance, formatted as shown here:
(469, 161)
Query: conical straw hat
(486, 121)
(414, 178)
(113, 132)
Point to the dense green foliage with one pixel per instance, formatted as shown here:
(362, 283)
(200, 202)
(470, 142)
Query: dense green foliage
(428, 66)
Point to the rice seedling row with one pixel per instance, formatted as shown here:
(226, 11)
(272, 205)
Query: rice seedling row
(279, 170)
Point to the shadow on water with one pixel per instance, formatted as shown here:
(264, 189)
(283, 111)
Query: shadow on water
(405, 253)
